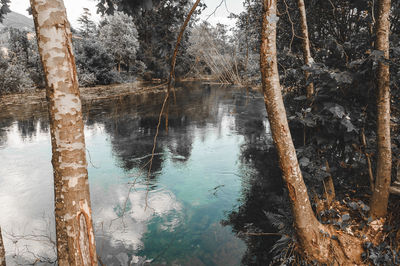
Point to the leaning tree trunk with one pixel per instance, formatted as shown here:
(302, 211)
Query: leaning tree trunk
(380, 196)
(308, 60)
(305, 221)
(314, 238)
(171, 78)
(74, 230)
(2, 251)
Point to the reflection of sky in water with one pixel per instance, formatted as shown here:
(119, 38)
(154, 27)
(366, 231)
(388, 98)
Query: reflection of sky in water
(187, 200)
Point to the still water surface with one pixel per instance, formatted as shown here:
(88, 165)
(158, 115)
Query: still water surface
(203, 173)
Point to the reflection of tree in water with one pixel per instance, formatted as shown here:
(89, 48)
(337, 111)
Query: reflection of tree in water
(132, 129)
(131, 123)
(132, 141)
(29, 126)
(28, 121)
(134, 119)
(262, 186)
(4, 124)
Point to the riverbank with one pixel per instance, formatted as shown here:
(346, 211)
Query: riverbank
(87, 93)
(90, 95)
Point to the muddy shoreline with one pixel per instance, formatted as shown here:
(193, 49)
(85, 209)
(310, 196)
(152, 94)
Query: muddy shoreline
(87, 93)
(34, 102)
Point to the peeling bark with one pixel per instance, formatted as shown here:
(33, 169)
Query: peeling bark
(2, 251)
(380, 196)
(308, 60)
(315, 240)
(74, 230)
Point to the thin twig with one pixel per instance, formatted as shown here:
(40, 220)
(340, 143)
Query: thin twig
(215, 10)
(368, 157)
(154, 147)
(171, 77)
(261, 234)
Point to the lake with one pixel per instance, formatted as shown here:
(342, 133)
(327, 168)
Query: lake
(214, 176)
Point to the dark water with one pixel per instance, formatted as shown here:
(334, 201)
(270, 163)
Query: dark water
(214, 176)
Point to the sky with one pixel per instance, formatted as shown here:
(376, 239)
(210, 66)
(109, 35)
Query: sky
(75, 7)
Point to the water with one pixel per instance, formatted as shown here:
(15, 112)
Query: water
(189, 212)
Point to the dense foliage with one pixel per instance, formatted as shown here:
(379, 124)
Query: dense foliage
(329, 129)
(20, 66)
(106, 54)
(158, 24)
(4, 8)
(122, 48)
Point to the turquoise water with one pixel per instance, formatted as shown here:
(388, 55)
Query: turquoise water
(173, 217)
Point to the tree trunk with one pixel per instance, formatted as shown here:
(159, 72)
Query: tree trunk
(380, 196)
(330, 193)
(171, 77)
(305, 221)
(313, 238)
(74, 230)
(2, 251)
(395, 188)
(308, 60)
(397, 182)
(119, 64)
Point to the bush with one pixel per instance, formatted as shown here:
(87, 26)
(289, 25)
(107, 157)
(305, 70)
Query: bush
(86, 78)
(94, 64)
(14, 78)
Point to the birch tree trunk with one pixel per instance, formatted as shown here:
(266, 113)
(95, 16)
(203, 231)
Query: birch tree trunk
(74, 230)
(380, 196)
(308, 60)
(313, 238)
(2, 251)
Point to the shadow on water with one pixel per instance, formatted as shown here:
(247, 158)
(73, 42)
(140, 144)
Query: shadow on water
(214, 176)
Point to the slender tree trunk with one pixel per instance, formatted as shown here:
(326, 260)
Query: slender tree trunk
(397, 182)
(395, 188)
(119, 64)
(2, 251)
(178, 42)
(308, 60)
(380, 196)
(171, 78)
(314, 238)
(74, 230)
(330, 193)
(305, 221)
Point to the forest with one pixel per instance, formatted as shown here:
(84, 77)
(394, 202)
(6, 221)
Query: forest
(271, 142)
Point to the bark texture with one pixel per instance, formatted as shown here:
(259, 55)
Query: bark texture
(305, 221)
(2, 251)
(330, 193)
(74, 230)
(315, 240)
(308, 60)
(380, 196)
